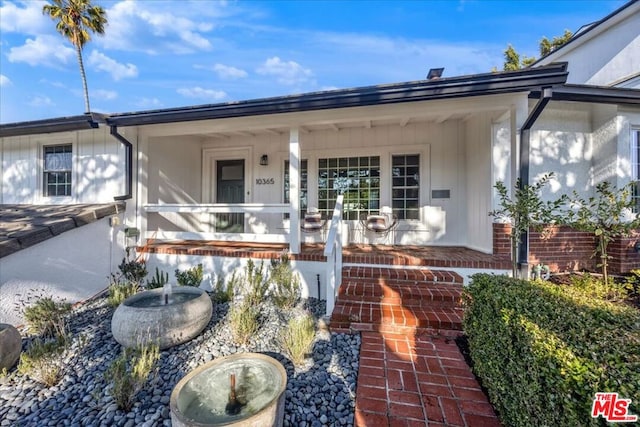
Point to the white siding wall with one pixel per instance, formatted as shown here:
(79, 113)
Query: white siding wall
(174, 175)
(172, 164)
(479, 182)
(98, 168)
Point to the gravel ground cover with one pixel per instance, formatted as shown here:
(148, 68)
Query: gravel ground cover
(320, 393)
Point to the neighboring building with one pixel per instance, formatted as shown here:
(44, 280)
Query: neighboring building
(431, 150)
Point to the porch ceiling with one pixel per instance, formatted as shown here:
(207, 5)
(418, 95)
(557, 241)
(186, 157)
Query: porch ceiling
(338, 119)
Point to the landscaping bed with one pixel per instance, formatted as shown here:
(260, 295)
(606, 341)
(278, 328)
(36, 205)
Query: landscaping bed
(320, 391)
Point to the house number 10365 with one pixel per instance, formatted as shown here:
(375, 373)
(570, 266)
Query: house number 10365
(265, 181)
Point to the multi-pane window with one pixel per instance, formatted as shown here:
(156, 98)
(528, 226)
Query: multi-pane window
(57, 170)
(405, 187)
(357, 178)
(303, 186)
(635, 166)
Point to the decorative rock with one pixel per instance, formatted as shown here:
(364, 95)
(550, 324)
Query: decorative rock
(85, 395)
(10, 346)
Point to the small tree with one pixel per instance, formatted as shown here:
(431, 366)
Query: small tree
(526, 209)
(607, 215)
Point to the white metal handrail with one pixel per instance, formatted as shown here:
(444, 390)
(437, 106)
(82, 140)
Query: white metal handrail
(333, 252)
(218, 207)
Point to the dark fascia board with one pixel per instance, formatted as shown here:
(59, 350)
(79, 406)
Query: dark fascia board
(593, 94)
(589, 27)
(454, 87)
(60, 124)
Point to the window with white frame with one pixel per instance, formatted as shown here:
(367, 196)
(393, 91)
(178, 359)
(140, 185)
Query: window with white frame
(635, 166)
(405, 186)
(57, 161)
(303, 187)
(357, 178)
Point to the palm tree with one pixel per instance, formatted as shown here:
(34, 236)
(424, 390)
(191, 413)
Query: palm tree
(76, 19)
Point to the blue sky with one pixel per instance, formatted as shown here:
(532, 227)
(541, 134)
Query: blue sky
(171, 53)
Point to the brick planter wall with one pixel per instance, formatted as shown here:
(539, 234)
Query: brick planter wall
(565, 249)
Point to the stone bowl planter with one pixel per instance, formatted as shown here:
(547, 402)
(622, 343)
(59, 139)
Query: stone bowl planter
(201, 398)
(10, 346)
(144, 317)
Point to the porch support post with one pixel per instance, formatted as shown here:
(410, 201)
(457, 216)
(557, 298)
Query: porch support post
(525, 140)
(294, 191)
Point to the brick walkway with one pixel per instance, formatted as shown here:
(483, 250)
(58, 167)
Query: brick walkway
(421, 381)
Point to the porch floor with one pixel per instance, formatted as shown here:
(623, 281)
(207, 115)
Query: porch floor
(397, 255)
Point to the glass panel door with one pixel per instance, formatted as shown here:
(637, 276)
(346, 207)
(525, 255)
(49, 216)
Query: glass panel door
(229, 189)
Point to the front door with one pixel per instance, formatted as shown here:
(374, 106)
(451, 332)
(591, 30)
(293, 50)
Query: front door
(230, 189)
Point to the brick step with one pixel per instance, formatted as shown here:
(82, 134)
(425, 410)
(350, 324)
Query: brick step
(374, 316)
(405, 274)
(399, 292)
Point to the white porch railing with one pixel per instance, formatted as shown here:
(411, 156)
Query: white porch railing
(333, 252)
(219, 208)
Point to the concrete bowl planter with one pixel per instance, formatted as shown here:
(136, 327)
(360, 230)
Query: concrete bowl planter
(144, 317)
(203, 397)
(10, 346)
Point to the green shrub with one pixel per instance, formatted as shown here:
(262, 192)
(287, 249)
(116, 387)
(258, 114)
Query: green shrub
(598, 288)
(286, 292)
(224, 292)
(543, 350)
(42, 361)
(191, 277)
(47, 317)
(244, 322)
(159, 279)
(256, 283)
(120, 291)
(297, 338)
(129, 373)
(133, 270)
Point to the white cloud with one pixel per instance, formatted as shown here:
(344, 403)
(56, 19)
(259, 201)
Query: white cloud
(228, 72)
(118, 71)
(198, 92)
(105, 95)
(148, 103)
(288, 73)
(152, 28)
(44, 50)
(4, 80)
(41, 101)
(27, 19)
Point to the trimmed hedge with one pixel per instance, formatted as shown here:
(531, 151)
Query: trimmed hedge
(542, 350)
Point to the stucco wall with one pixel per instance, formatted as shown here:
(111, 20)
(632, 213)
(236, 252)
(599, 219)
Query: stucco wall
(215, 268)
(74, 265)
(561, 142)
(605, 57)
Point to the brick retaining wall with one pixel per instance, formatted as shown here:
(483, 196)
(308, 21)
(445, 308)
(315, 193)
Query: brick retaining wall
(565, 249)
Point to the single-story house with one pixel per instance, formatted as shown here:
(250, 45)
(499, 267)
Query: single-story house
(424, 155)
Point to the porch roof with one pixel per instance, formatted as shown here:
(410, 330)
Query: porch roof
(422, 90)
(494, 83)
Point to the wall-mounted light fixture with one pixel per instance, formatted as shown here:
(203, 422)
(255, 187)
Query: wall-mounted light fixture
(264, 160)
